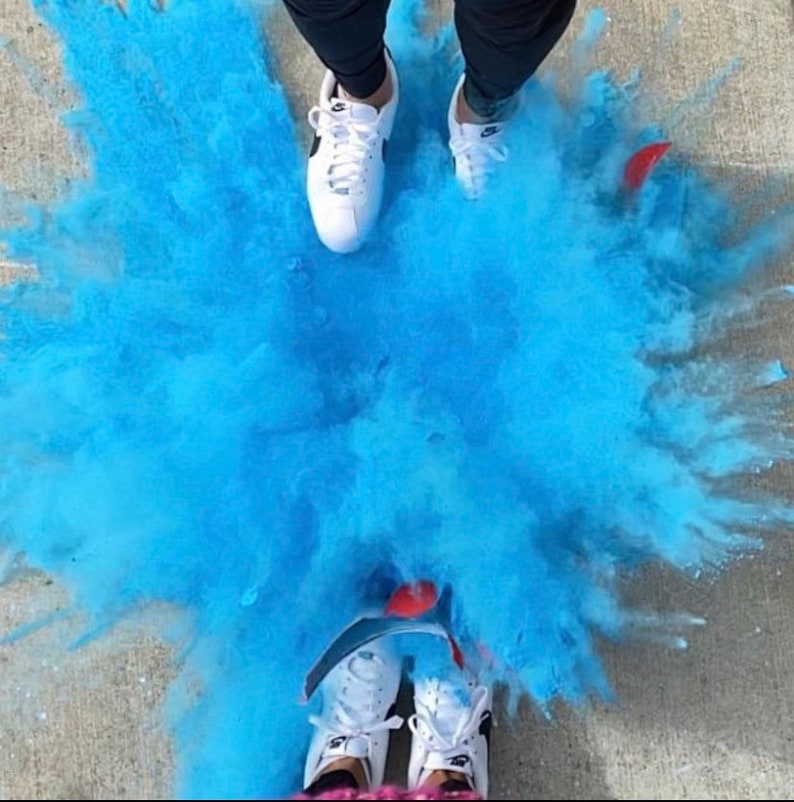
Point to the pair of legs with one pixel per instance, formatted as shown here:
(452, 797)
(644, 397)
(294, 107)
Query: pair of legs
(450, 728)
(503, 43)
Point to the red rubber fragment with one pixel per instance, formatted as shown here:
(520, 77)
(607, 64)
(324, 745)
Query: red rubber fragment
(642, 162)
(457, 653)
(412, 599)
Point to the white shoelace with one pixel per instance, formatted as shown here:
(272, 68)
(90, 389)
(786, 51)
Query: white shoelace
(479, 156)
(442, 747)
(354, 715)
(351, 143)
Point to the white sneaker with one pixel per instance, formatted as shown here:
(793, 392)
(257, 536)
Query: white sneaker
(359, 697)
(476, 149)
(345, 176)
(451, 730)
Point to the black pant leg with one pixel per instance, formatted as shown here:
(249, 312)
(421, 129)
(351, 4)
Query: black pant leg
(504, 42)
(347, 36)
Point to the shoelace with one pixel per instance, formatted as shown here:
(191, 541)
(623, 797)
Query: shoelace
(345, 718)
(479, 156)
(443, 746)
(351, 142)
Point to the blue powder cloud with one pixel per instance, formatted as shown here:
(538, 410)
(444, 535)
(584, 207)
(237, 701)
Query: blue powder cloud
(201, 405)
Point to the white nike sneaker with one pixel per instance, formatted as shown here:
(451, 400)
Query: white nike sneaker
(346, 164)
(359, 697)
(451, 731)
(476, 149)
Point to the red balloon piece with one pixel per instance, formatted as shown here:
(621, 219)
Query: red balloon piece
(642, 162)
(412, 599)
(457, 652)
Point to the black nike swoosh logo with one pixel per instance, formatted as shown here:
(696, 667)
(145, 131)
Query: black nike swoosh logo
(485, 727)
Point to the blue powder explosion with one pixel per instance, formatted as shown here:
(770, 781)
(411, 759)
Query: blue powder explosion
(201, 405)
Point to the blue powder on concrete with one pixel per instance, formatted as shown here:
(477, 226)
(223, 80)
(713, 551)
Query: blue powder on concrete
(201, 405)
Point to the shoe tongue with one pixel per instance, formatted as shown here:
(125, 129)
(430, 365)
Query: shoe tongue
(358, 112)
(364, 666)
(446, 727)
(450, 708)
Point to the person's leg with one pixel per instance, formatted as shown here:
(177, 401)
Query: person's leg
(353, 118)
(503, 43)
(347, 36)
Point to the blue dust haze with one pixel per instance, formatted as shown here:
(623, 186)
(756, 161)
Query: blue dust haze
(201, 405)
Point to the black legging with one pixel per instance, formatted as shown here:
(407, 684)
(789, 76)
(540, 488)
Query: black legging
(503, 43)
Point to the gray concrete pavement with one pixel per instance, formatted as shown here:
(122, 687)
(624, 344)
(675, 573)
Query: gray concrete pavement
(713, 722)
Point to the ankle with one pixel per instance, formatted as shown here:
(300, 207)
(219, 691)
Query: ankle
(464, 113)
(379, 98)
(352, 766)
(440, 778)
(497, 110)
